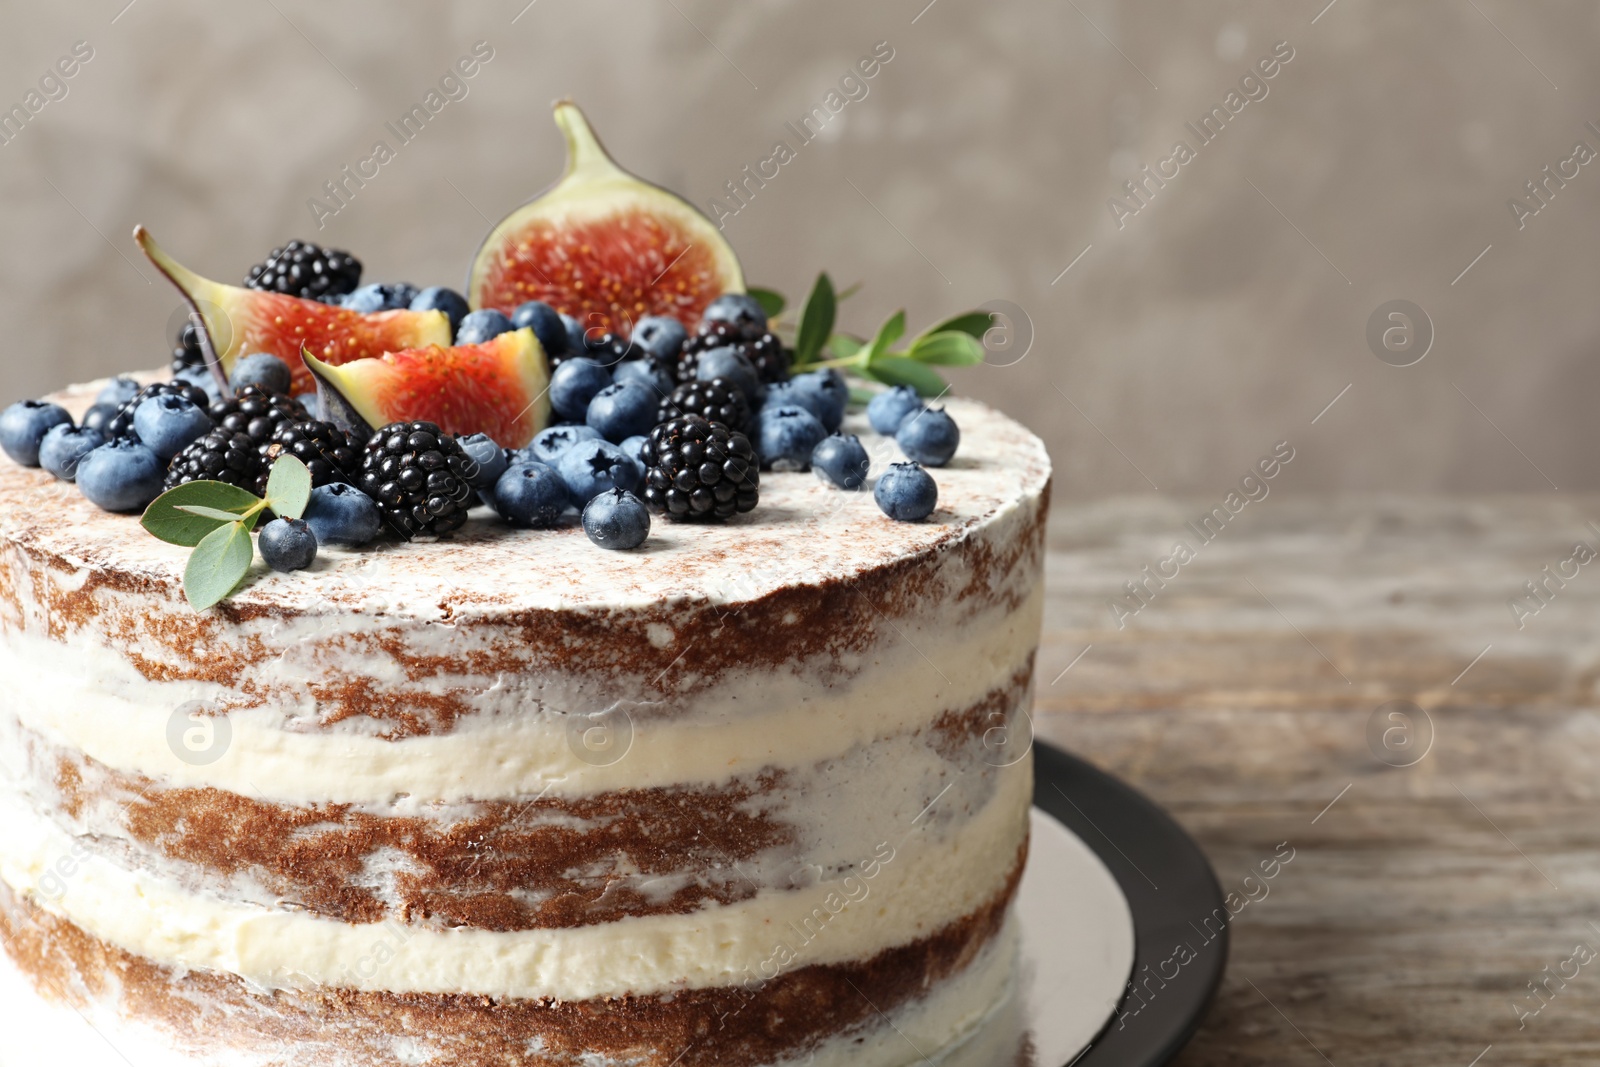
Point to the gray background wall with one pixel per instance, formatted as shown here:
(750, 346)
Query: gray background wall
(1178, 349)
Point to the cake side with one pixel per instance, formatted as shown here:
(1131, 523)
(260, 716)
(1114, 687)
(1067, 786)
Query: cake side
(475, 769)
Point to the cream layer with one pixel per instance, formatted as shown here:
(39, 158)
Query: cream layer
(93, 700)
(938, 871)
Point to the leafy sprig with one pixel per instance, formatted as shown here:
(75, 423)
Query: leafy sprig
(955, 342)
(216, 519)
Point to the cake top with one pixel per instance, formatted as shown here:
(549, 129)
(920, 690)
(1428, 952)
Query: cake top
(607, 418)
(804, 532)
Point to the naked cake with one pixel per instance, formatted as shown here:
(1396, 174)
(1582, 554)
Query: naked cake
(732, 771)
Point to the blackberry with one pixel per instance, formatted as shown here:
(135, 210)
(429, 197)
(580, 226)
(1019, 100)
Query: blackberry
(718, 400)
(752, 339)
(256, 412)
(234, 451)
(120, 425)
(186, 353)
(419, 477)
(329, 453)
(697, 470)
(309, 271)
(220, 456)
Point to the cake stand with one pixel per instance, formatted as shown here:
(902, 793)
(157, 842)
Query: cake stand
(1123, 925)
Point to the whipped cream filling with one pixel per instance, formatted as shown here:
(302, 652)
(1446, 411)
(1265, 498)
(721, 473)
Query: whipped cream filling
(909, 888)
(94, 700)
(963, 1008)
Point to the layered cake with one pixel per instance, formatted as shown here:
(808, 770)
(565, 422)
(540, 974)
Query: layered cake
(754, 794)
(599, 669)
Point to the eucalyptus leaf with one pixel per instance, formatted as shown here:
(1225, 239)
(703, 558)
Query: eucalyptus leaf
(898, 370)
(164, 520)
(816, 321)
(771, 302)
(288, 487)
(891, 331)
(949, 348)
(973, 323)
(217, 564)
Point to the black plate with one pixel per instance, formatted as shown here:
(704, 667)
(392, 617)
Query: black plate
(1180, 922)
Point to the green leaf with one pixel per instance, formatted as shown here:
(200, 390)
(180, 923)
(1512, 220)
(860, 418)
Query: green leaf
(973, 323)
(816, 321)
(844, 346)
(849, 291)
(164, 519)
(288, 487)
(898, 370)
(949, 348)
(890, 332)
(217, 564)
(771, 302)
(861, 396)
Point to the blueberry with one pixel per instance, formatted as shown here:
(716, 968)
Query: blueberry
(490, 458)
(547, 326)
(288, 544)
(826, 390)
(24, 424)
(592, 467)
(623, 409)
(661, 336)
(841, 461)
(258, 368)
(633, 447)
(730, 363)
(201, 378)
(118, 391)
(816, 394)
(906, 492)
(98, 415)
(787, 434)
(481, 326)
(168, 423)
(438, 298)
(930, 437)
(64, 447)
(616, 519)
(574, 384)
(531, 494)
(121, 475)
(648, 373)
(575, 333)
(381, 296)
(341, 514)
(735, 307)
(888, 409)
(549, 443)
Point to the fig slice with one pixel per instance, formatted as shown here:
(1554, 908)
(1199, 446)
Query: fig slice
(499, 388)
(238, 321)
(604, 246)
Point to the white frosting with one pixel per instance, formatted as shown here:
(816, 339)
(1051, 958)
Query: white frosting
(98, 703)
(953, 1011)
(910, 888)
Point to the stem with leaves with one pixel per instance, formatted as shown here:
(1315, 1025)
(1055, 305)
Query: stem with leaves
(215, 519)
(955, 342)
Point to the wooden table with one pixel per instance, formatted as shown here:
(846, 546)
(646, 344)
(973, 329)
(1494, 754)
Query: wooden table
(1424, 899)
